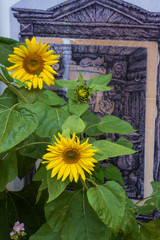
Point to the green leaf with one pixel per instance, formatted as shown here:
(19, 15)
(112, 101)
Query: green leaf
(25, 164)
(41, 173)
(71, 216)
(112, 149)
(100, 88)
(113, 173)
(7, 99)
(150, 230)
(70, 84)
(99, 155)
(17, 123)
(55, 187)
(20, 83)
(6, 74)
(43, 185)
(80, 78)
(91, 121)
(77, 108)
(8, 169)
(66, 133)
(45, 232)
(74, 123)
(129, 225)
(112, 124)
(99, 80)
(156, 194)
(32, 95)
(6, 48)
(53, 99)
(36, 149)
(70, 94)
(147, 208)
(124, 142)
(50, 119)
(108, 201)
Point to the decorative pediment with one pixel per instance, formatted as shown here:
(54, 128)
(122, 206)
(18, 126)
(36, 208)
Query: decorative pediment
(93, 11)
(97, 13)
(102, 11)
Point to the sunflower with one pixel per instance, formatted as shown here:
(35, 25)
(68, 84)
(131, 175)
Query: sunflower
(32, 64)
(68, 157)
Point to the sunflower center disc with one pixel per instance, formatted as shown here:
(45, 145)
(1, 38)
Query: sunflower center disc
(33, 64)
(71, 156)
(82, 93)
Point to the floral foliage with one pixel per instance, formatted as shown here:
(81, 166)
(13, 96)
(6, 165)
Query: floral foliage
(72, 196)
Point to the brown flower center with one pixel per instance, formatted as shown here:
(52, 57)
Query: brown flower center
(33, 64)
(71, 156)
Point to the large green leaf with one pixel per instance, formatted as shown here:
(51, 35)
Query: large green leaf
(74, 123)
(77, 108)
(8, 99)
(17, 123)
(50, 119)
(55, 187)
(71, 216)
(112, 124)
(150, 230)
(129, 225)
(112, 149)
(101, 80)
(6, 48)
(34, 146)
(91, 121)
(8, 169)
(53, 99)
(32, 95)
(45, 232)
(108, 201)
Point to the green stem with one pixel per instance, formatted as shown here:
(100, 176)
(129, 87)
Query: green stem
(29, 144)
(13, 89)
(142, 200)
(93, 183)
(84, 185)
(82, 137)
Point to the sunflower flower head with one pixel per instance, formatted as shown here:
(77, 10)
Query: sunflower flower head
(69, 158)
(32, 64)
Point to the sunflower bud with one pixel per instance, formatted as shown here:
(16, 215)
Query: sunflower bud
(83, 93)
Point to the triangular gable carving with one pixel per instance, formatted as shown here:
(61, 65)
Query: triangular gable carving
(97, 13)
(130, 13)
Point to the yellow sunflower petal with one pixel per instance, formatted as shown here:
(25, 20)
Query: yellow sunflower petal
(66, 173)
(81, 172)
